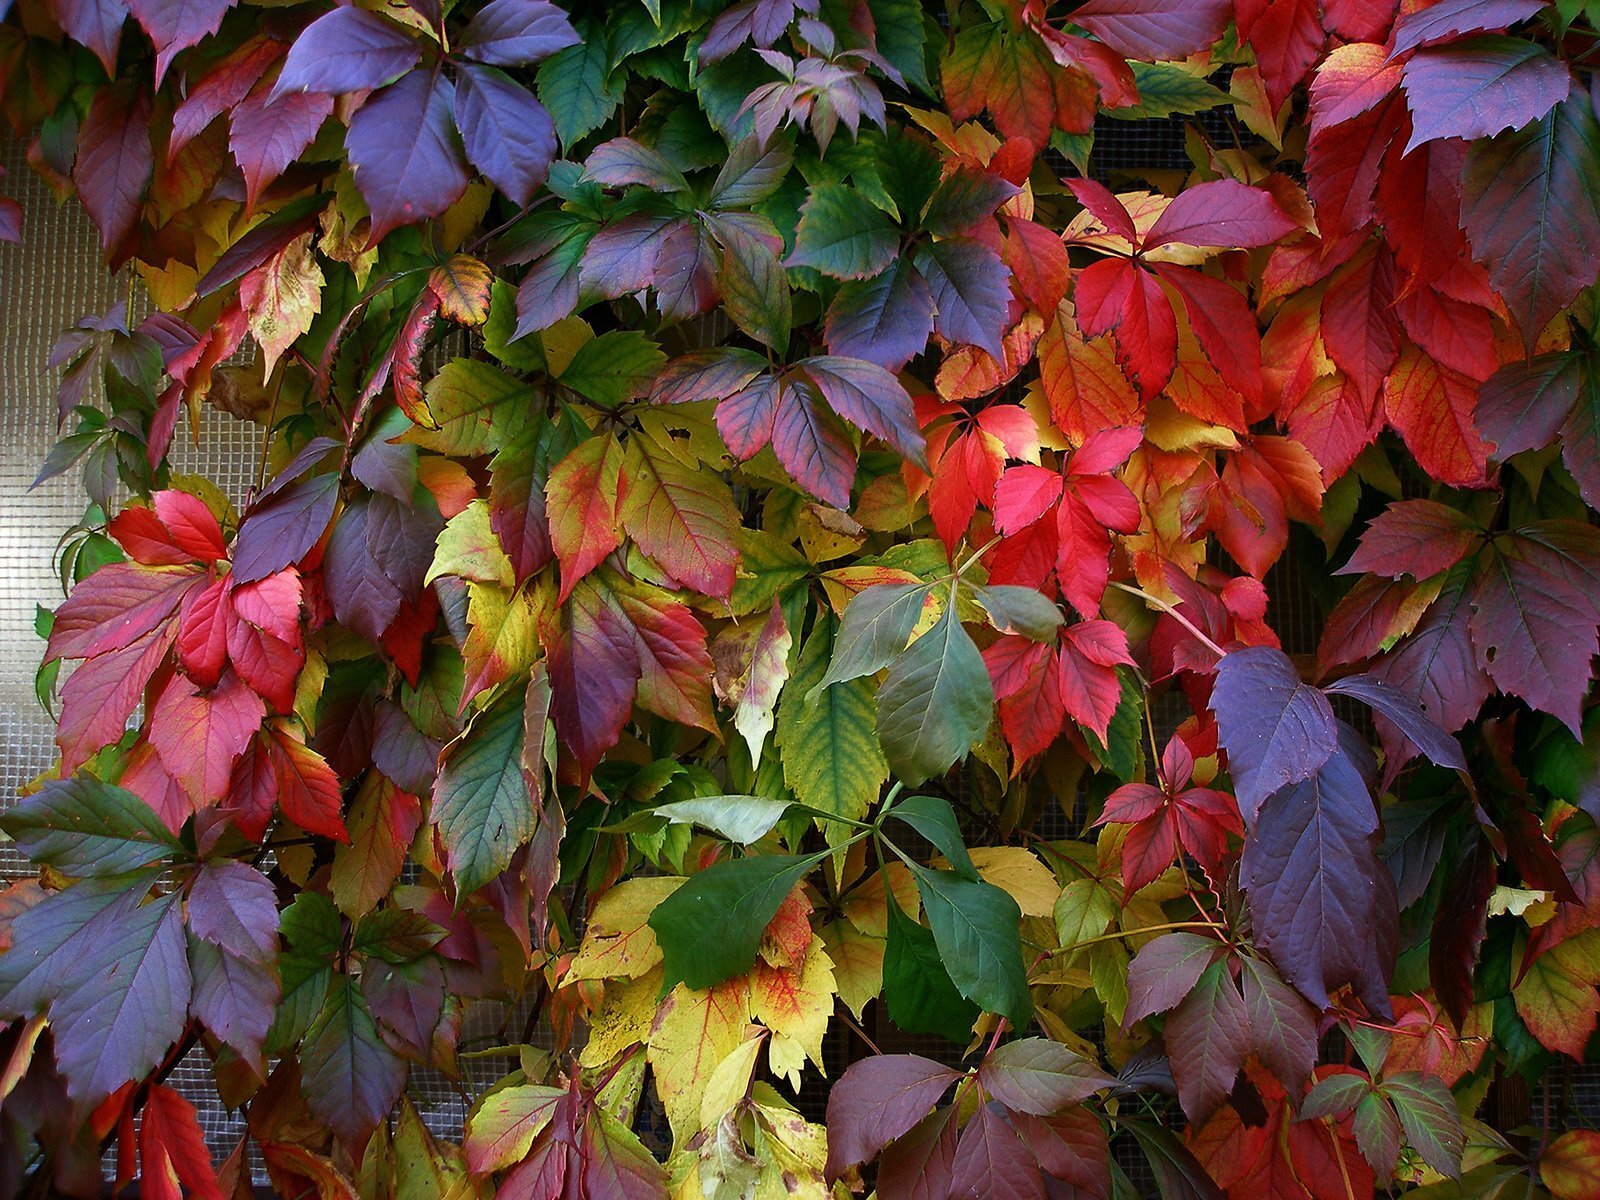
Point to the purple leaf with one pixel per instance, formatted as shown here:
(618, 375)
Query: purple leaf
(1418, 538)
(971, 292)
(1476, 88)
(1276, 729)
(96, 24)
(917, 1166)
(10, 221)
(235, 906)
(509, 137)
(114, 161)
(406, 755)
(877, 1100)
(1451, 18)
(1523, 404)
(362, 595)
(513, 33)
(347, 50)
(112, 973)
(1154, 29)
(175, 25)
(236, 999)
(809, 441)
(623, 161)
(870, 398)
(1165, 971)
(1319, 898)
(1390, 703)
(885, 319)
(350, 1078)
(282, 526)
(407, 158)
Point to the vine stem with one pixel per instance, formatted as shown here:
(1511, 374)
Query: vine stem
(859, 1032)
(1172, 611)
(1127, 933)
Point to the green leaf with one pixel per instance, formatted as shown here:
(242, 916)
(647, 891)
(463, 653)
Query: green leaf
(1166, 90)
(876, 627)
(976, 927)
(935, 820)
(481, 802)
(1023, 610)
(614, 368)
(902, 34)
(710, 928)
(919, 992)
(575, 87)
(826, 738)
(741, 819)
(935, 702)
(842, 235)
(83, 826)
(477, 407)
(1432, 1123)
(500, 332)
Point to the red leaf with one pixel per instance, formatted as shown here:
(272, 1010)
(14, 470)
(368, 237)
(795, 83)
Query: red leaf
(1090, 686)
(199, 734)
(1287, 37)
(809, 440)
(1113, 295)
(1105, 208)
(1358, 322)
(1351, 81)
(594, 673)
(307, 789)
(581, 498)
(170, 1137)
(117, 605)
(114, 161)
(203, 633)
(1023, 495)
(102, 694)
(1342, 167)
(221, 88)
(1225, 326)
(1476, 88)
(1419, 538)
(1334, 423)
(1431, 406)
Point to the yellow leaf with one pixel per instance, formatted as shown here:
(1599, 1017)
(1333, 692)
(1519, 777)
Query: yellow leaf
(729, 1082)
(857, 964)
(693, 1032)
(792, 1151)
(624, 1018)
(618, 943)
(281, 297)
(867, 906)
(795, 1003)
(1020, 874)
(468, 548)
(462, 285)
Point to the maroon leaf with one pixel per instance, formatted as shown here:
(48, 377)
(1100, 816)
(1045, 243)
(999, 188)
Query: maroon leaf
(1458, 926)
(594, 673)
(405, 152)
(1276, 729)
(1523, 405)
(513, 33)
(1419, 538)
(1223, 212)
(1283, 1027)
(1040, 1077)
(508, 134)
(1208, 1040)
(267, 132)
(1437, 665)
(1154, 29)
(992, 1161)
(362, 594)
(1165, 971)
(220, 89)
(96, 24)
(114, 161)
(807, 438)
(348, 50)
(878, 1100)
(918, 1165)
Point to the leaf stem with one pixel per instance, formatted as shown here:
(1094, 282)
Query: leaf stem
(1172, 611)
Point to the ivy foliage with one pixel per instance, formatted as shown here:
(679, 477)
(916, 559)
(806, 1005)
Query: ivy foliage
(764, 546)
